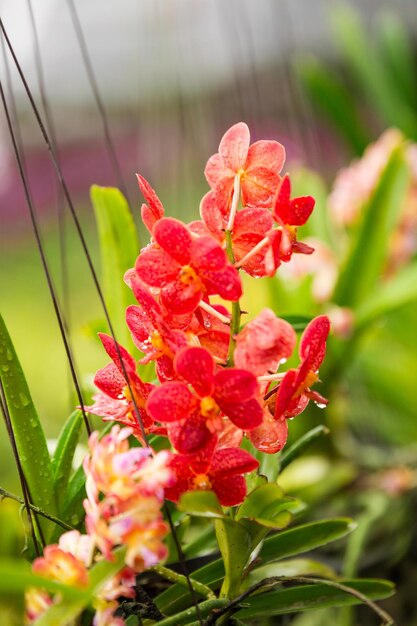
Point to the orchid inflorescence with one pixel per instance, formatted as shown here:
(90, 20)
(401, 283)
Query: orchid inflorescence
(217, 383)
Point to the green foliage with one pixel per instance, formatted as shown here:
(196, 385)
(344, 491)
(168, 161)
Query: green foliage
(64, 455)
(119, 247)
(369, 244)
(28, 433)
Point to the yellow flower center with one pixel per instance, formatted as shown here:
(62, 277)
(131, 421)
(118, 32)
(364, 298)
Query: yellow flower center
(139, 401)
(158, 343)
(309, 380)
(188, 275)
(208, 407)
(202, 483)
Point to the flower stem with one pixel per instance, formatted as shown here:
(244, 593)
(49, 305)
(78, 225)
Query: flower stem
(236, 310)
(6, 494)
(174, 577)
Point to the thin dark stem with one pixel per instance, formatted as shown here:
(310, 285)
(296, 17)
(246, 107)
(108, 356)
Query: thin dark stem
(183, 563)
(97, 96)
(39, 243)
(279, 580)
(22, 479)
(6, 494)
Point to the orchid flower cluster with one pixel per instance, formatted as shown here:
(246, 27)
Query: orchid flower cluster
(217, 383)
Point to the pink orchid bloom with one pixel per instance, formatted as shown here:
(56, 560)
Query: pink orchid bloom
(257, 166)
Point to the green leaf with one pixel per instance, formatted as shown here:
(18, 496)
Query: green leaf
(64, 454)
(236, 546)
(307, 597)
(264, 501)
(201, 504)
(288, 543)
(334, 100)
(368, 254)
(290, 567)
(391, 295)
(301, 444)
(27, 428)
(396, 50)
(304, 538)
(119, 248)
(370, 70)
(189, 616)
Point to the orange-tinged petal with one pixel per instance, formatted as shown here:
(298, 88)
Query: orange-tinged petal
(234, 385)
(266, 153)
(259, 187)
(313, 341)
(156, 267)
(234, 146)
(271, 435)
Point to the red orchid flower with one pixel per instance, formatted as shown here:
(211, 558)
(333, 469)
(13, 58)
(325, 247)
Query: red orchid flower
(153, 330)
(194, 416)
(220, 472)
(153, 211)
(210, 332)
(294, 392)
(290, 214)
(186, 269)
(264, 343)
(118, 402)
(251, 226)
(257, 165)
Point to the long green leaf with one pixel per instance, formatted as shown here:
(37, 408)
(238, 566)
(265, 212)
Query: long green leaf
(366, 260)
(392, 295)
(64, 454)
(301, 444)
(396, 51)
(370, 71)
(307, 597)
(119, 247)
(283, 545)
(335, 100)
(27, 428)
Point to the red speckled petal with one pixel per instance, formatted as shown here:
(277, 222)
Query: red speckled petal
(183, 477)
(226, 283)
(245, 415)
(190, 435)
(234, 146)
(156, 267)
(213, 218)
(118, 354)
(252, 220)
(215, 170)
(313, 341)
(234, 385)
(179, 298)
(140, 326)
(232, 461)
(299, 210)
(267, 154)
(230, 490)
(110, 381)
(259, 187)
(270, 436)
(207, 254)
(196, 366)
(174, 237)
(262, 343)
(145, 298)
(171, 402)
(285, 393)
(156, 210)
